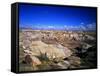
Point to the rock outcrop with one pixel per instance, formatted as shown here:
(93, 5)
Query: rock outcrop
(52, 51)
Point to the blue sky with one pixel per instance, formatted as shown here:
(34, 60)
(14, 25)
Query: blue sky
(56, 17)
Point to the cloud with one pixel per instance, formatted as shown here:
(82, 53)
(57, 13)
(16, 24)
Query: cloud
(51, 27)
(92, 26)
(81, 27)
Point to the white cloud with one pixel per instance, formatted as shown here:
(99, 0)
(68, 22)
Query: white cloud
(51, 27)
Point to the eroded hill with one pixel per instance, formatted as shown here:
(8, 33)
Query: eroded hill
(47, 50)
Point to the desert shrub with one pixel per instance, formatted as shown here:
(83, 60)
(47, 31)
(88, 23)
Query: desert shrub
(43, 57)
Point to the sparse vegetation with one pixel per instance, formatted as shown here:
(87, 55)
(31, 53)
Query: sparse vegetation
(49, 50)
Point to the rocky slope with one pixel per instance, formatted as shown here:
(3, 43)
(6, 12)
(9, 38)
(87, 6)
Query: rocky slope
(47, 50)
